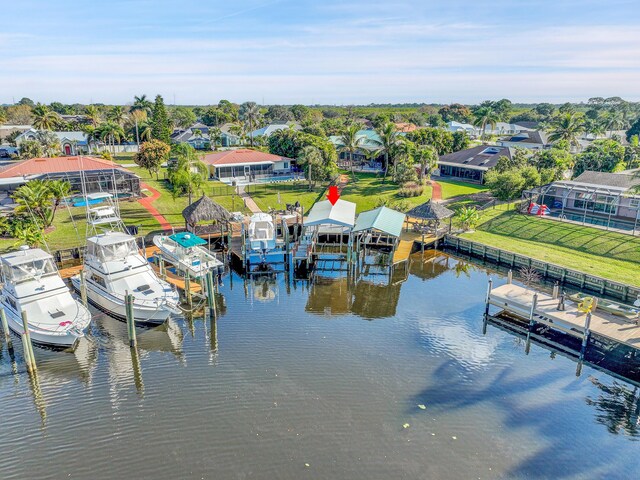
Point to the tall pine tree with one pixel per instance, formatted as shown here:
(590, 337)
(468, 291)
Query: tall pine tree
(160, 129)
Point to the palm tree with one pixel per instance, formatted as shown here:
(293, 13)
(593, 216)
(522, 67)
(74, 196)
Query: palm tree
(34, 200)
(189, 172)
(141, 103)
(50, 143)
(93, 115)
(484, 116)
(60, 189)
(215, 137)
(350, 142)
(110, 133)
(311, 157)
(613, 120)
(251, 115)
(390, 138)
(427, 157)
(44, 118)
(566, 127)
(238, 130)
(468, 217)
(117, 115)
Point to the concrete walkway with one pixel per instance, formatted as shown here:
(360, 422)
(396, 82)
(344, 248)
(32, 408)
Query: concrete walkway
(248, 201)
(436, 191)
(147, 203)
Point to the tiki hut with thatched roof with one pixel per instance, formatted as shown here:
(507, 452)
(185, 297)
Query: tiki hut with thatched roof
(204, 216)
(430, 215)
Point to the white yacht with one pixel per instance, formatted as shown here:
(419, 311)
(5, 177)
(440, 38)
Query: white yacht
(113, 266)
(262, 233)
(31, 283)
(187, 253)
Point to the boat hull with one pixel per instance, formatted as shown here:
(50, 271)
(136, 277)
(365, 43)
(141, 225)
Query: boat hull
(115, 308)
(62, 340)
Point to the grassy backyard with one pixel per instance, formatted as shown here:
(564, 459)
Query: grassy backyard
(607, 254)
(266, 196)
(451, 188)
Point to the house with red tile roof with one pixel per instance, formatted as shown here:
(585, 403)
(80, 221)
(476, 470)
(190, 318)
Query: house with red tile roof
(247, 165)
(99, 175)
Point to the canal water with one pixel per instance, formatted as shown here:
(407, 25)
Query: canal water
(322, 380)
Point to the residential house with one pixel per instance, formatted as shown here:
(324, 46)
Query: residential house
(229, 138)
(8, 130)
(71, 143)
(531, 139)
(270, 129)
(471, 130)
(370, 142)
(596, 198)
(197, 135)
(97, 174)
(246, 165)
(503, 128)
(471, 164)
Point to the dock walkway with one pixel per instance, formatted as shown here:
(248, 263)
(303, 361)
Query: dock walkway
(519, 300)
(403, 251)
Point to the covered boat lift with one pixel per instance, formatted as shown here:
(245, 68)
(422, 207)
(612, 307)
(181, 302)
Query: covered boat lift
(325, 228)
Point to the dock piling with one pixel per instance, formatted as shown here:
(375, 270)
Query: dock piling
(131, 324)
(30, 357)
(83, 289)
(187, 289)
(510, 277)
(5, 326)
(488, 297)
(211, 299)
(531, 323)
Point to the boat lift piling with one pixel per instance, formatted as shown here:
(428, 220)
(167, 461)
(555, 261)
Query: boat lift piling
(5, 326)
(29, 356)
(211, 298)
(131, 325)
(532, 323)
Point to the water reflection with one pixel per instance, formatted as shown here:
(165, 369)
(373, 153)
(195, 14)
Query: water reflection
(288, 389)
(617, 406)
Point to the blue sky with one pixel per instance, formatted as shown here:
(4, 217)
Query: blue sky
(330, 52)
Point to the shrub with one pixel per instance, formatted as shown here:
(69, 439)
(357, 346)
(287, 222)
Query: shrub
(411, 189)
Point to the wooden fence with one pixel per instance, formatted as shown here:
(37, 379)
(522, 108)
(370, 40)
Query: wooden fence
(546, 270)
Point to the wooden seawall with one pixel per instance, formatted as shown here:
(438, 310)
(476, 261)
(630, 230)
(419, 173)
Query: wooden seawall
(550, 271)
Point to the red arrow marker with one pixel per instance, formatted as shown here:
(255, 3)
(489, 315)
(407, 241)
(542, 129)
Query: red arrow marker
(333, 195)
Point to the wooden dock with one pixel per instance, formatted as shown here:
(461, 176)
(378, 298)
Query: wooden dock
(519, 301)
(179, 282)
(70, 271)
(403, 251)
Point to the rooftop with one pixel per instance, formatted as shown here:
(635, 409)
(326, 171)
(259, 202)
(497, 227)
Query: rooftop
(618, 180)
(481, 157)
(383, 219)
(24, 255)
(342, 213)
(241, 156)
(41, 166)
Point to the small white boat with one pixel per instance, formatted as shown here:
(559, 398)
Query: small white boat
(113, 266)
(31, 283)
(185, 251)
(262, 233)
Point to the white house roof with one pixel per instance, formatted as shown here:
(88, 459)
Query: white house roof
(342, 213)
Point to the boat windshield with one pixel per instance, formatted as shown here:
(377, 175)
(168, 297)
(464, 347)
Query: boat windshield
(115, 251)
(262, 231)
(31, 270)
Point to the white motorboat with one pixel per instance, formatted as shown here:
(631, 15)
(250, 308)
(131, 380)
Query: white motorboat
(187, 253)
(262, 233)
(31, 283)
(113, 267)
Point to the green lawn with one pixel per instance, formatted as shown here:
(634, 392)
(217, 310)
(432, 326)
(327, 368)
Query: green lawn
(266, 196)
(452, 188)
(65, 235)
(369, 190)
(607, 254)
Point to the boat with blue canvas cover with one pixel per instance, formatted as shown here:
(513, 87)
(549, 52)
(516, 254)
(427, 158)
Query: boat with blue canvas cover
(187, 252)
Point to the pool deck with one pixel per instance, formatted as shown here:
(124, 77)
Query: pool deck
(519, 301)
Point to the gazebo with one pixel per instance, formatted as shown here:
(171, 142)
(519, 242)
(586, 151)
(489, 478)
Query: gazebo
(430, 215)
(205, 210)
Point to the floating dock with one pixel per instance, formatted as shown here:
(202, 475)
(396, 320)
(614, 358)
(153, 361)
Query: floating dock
(519, 301)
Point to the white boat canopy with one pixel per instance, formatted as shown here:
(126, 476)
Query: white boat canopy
(341, 214)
